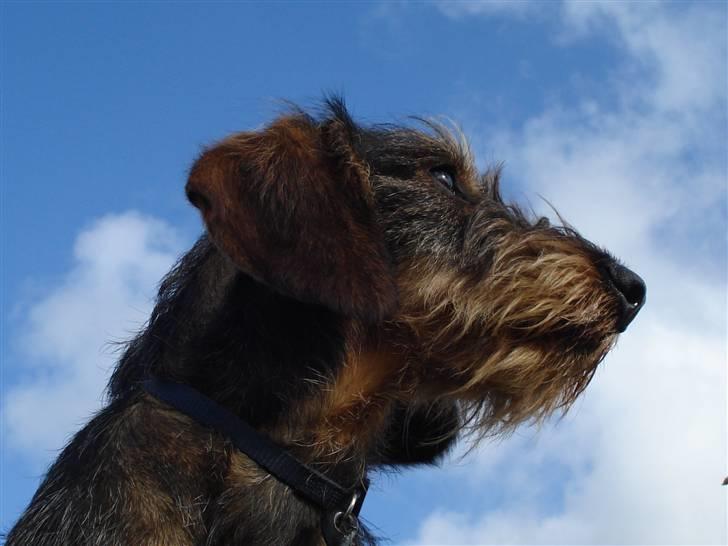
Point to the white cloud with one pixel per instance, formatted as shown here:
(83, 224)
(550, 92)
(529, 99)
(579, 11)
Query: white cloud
(464, 8)
(644, 452)
(681, 47)
(676, 47)
(105, 297)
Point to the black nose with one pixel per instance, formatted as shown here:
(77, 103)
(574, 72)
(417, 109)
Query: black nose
(631, 291)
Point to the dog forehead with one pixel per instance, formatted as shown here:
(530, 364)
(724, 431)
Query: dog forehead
(402, 151)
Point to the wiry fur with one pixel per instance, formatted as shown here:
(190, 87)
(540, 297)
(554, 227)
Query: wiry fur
(350, 307)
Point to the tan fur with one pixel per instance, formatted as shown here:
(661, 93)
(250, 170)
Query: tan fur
(494, 343)
(356, 404)
(349, 410)
(498, 341)
(243, 473)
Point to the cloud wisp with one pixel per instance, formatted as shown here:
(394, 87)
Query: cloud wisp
(641, 459)
(65, 341)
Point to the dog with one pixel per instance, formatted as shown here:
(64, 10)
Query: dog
(361, 298)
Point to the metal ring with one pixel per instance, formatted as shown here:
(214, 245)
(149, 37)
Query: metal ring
(352, 504)
(352, 521)
(337, 517)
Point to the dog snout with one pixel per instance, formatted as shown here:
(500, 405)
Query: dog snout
(631, 292)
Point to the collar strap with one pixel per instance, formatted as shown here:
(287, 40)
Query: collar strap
(308, 482)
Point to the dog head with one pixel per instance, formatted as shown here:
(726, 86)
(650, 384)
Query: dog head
(394, 228)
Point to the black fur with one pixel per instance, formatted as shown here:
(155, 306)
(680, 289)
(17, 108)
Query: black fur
(250, 349)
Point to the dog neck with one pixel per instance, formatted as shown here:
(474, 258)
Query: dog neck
(263, 357)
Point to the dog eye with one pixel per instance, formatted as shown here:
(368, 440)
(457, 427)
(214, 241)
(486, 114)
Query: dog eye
(445, 177)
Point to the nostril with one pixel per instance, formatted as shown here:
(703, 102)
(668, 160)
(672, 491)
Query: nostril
(631, 289)
(630, 285)
(635, 292)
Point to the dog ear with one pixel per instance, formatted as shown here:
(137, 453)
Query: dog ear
(291, 205)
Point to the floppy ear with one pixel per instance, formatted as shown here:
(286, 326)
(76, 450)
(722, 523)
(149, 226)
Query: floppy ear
(291, 205)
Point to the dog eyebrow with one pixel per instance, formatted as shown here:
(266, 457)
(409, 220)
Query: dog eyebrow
(402, 151)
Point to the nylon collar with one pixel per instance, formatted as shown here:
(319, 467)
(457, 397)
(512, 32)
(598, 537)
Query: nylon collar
(340, 505)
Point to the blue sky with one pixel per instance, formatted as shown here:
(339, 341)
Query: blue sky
(614, 112)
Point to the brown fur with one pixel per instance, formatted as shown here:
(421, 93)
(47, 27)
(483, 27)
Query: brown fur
(299, 213)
